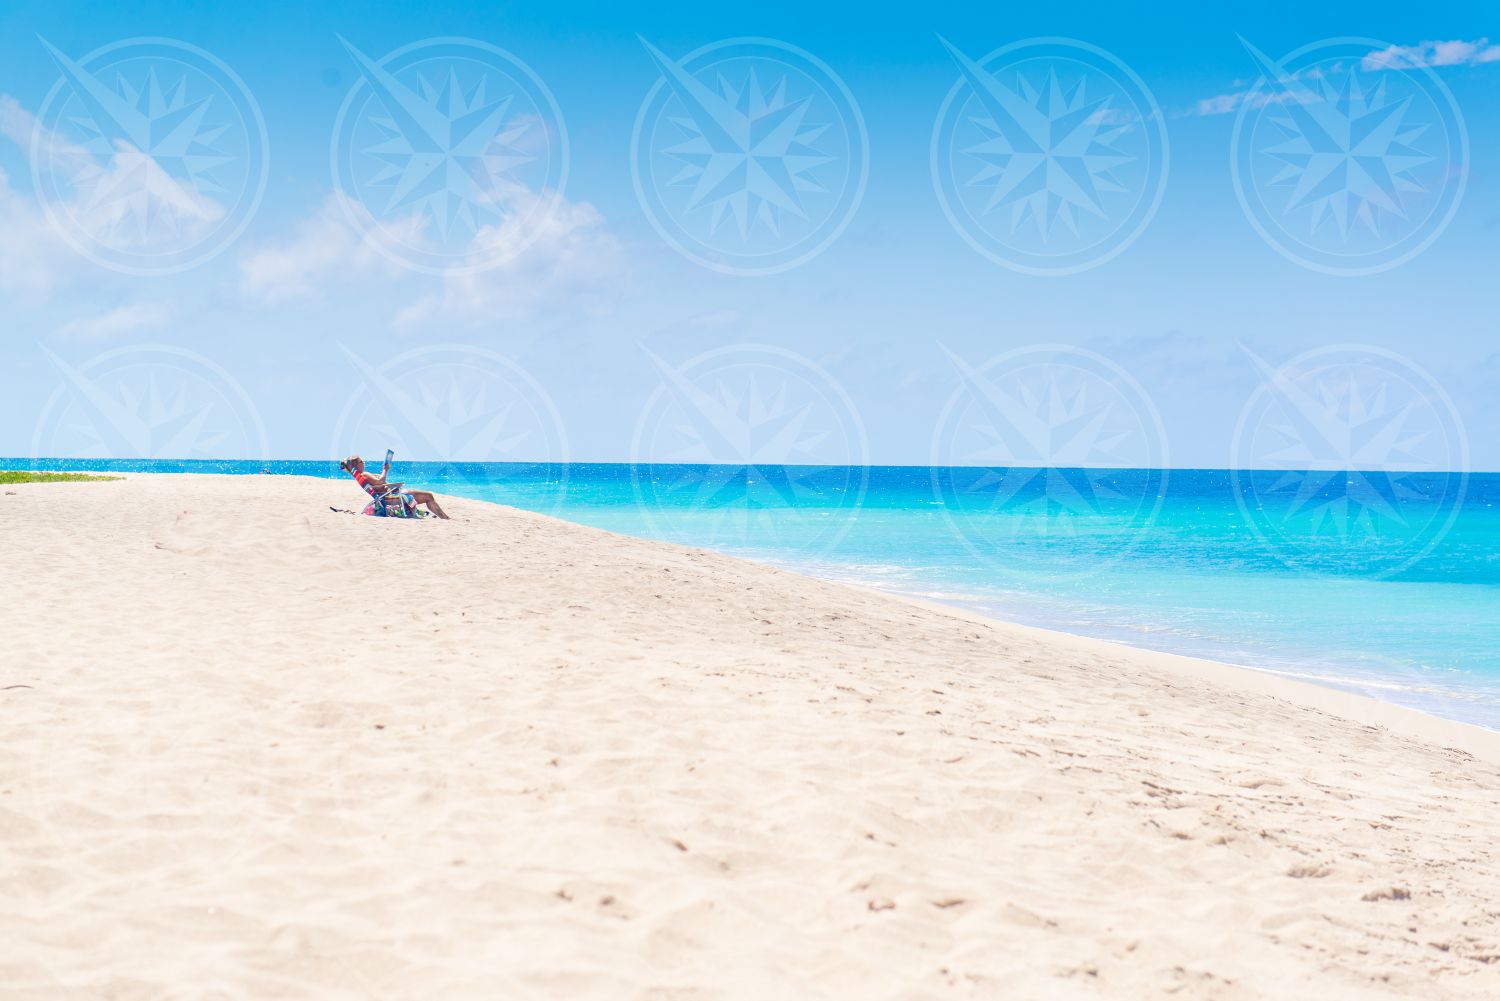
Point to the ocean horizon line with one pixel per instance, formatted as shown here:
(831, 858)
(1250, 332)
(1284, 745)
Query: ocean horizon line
(28, 463)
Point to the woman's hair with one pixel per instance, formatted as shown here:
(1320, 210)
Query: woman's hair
(348, 463)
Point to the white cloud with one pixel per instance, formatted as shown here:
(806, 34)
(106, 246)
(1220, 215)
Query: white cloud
(568, 256)
(1394, 57)
(132, 188)
(1450, 53)
(554, 253)
(34, 263)
(125, 201)
(121, 320)
(38, 259)
(1224, 104)
(20, 126)
(327, 250)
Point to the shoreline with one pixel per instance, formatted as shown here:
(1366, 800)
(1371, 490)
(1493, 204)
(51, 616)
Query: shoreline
(1480, 741)
(328, 755)
(1446, 702)
(1471, 738)
(1477, 739)
(1282, 666)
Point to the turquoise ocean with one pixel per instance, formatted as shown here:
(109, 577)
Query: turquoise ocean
(1386, 584)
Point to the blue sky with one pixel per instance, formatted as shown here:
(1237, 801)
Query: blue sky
(599, 315)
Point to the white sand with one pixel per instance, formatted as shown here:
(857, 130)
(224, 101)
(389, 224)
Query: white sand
(265, 750)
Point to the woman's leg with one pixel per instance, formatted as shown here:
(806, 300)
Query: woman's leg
(423, 497)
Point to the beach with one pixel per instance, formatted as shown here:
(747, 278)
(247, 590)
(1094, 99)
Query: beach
(255, 747)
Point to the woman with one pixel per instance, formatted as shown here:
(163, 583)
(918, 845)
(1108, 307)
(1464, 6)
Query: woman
(355, 466)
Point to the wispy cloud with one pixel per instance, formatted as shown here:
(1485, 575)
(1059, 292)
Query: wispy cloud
(139, 188)
(1451, 53)
(125, 319)
(39, 246)
(1393, 57)
(1225, 104)
(324, 252)
(34, 261)
(569, 257)
(565, 257)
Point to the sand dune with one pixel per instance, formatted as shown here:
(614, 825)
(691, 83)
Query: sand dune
(255, 748)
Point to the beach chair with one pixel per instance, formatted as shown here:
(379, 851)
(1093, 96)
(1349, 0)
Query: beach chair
(388, 502)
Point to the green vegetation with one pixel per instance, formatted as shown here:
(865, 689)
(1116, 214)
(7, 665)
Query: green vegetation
(23, 476)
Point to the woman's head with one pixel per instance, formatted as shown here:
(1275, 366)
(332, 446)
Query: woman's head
(353, 464)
